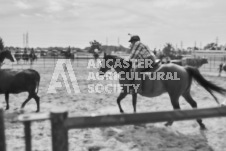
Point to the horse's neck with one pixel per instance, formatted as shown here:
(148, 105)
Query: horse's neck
(118, 69)
(2, 57)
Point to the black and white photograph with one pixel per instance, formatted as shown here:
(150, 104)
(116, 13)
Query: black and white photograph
(123, 75)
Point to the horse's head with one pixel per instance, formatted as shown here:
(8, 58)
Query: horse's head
(7, 54)
(204, 60)
(106, 64)
(110, 61)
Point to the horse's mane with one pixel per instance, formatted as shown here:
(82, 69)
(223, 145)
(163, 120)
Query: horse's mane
(114, 57)
(4, 51)
(3, 54)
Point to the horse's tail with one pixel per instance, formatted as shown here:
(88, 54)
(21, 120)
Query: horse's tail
(37, 81)
(209, 86)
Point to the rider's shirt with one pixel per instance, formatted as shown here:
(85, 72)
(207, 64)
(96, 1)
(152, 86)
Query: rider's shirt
(140, 51)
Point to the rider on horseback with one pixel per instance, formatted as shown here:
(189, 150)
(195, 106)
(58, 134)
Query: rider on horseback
(142, 54)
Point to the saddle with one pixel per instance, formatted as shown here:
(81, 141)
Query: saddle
(155, 67)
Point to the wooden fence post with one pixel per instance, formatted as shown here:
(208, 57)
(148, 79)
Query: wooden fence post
(2, 131)
(59, 131)
(27, 132)
(44, 62)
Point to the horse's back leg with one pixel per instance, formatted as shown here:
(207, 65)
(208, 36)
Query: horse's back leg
(28, 99)
(37, 100)
(192, 102)
(220, 70)
(175, 103)
(7, 100)
(121, 96)
(134, 97)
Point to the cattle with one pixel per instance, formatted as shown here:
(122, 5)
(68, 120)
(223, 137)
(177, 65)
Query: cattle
(195, 62)
(14, 81)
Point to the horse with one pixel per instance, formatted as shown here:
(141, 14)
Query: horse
(69, 55)
(6, 54)
(153, 87)
(195, 62)
(32, 57)
(18, 56)
(222, 66)
(25, 57)
(178, 62)
(14, 81)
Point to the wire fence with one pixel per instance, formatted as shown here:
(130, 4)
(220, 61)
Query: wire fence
(48, 63)
(81, 61)
(213, 63)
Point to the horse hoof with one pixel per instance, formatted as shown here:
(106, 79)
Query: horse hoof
(203, 127)
(21, 111)
(137, 126)
(168, 124)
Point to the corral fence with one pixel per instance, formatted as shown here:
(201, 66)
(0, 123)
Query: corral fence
(47, 62)
(214, 58)
(81, 60)
(61, 123)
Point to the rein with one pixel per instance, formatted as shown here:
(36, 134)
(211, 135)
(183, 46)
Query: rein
(121, 62)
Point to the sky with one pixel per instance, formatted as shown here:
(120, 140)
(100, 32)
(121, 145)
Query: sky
(77, 22)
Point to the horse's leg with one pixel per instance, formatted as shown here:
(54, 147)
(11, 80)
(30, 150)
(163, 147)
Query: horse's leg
(7, 100)
(220, 70)
(25, 102)
(191, 101)
(134, 96)
(175, 103)
(36, 97)
(121, 96)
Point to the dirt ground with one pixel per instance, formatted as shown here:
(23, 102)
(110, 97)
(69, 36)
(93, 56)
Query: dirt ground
(184, 135)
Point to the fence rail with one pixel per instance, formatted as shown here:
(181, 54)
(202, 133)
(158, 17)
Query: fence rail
(61, 123)
(49, 62)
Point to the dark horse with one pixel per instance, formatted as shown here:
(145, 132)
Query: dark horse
(95, 49)
(6, 54)
(18, 56)
(32, 57)
(155, 87)
(195, 62)
(25, 57)
(222, 67)
(70, 56)
(14, 81)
